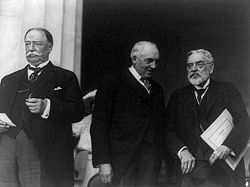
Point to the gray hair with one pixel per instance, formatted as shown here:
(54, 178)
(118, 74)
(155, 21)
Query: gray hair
(139, 47)
(206, 53)
(47, 34)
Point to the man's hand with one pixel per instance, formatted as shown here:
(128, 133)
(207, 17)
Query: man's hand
(3, 126)
(220, 153)
(187, 161)
(36, 106)
(105, 173)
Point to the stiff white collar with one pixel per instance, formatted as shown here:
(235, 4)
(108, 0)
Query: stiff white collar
(40, 65)
(203, 87)
(135, 73)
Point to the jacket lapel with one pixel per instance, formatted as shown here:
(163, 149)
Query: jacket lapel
(16, 84)
(135, 85)
(190, 99)
(19, 78)
(212, 94)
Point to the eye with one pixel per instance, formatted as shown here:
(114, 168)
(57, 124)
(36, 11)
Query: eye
(38, 43)
(189, 65)
(200, 65)
(149, 60)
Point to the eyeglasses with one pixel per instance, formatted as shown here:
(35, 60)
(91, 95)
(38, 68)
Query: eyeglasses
(199, 64)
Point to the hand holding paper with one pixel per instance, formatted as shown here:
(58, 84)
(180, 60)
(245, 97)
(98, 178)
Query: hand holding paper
(220, 153)
(215, 135)
(5, 120)
(3, 126)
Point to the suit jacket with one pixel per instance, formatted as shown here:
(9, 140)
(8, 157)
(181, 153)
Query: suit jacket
(53, 136)
(182, 119)
(122, 112)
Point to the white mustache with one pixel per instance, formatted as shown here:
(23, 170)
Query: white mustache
(33, 53)
(194, 74)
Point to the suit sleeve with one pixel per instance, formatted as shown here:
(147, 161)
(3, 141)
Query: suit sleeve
(2, 96)
(5, 102)
(70, 108)
(173, 141)
(101, 122)
(238, 137)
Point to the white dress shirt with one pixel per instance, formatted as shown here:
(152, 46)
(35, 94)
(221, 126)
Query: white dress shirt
(137, 77)
(46, 112)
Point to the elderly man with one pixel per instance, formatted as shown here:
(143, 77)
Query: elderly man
(42, 100)
(191, 110)
(128, 122)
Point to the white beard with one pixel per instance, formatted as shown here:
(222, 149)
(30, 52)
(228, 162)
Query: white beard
(198, 80)
(195, 81)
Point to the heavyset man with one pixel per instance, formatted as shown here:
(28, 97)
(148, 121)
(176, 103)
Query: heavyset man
(42, 100)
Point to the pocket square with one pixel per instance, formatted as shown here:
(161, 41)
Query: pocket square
(57, 88)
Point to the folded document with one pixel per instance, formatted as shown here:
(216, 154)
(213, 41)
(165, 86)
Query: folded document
(6, 119)
(216, 134)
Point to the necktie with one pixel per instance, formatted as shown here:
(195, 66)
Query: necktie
(199, 93)
(34, 76)
(146, 83)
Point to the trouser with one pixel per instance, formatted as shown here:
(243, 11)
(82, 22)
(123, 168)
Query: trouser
(19, 162)
(205, 175)
(142, 169)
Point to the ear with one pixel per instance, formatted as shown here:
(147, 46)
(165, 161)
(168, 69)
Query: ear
(211, 68)
(134, 59)
(50, 46)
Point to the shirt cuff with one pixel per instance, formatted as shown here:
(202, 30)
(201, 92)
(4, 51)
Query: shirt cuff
(98, 166)
(179, 152)
(232, 153)
(46, 112)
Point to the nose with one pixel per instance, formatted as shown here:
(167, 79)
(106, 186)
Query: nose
(31, 47)
(153, 64)
(194, 67)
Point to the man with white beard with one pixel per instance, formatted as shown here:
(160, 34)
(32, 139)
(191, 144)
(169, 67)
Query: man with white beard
(190, 111)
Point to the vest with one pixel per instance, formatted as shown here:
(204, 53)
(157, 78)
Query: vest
(149, 132)
(19, 107)
(203, 150)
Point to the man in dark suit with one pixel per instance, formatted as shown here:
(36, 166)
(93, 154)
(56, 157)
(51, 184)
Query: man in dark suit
(42, 100)
(190, 113)
(128, 123)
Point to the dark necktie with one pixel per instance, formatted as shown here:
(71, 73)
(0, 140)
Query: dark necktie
(146, 83)
(199, 93)
(34, 76)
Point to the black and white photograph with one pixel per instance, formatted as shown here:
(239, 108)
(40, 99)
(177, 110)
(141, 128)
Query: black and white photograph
(124, 93)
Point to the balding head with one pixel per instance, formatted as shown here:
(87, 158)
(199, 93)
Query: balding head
(145, 56)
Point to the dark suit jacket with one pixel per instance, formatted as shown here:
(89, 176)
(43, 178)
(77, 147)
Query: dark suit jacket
(123, 110)
(183, 121)
(53, 136)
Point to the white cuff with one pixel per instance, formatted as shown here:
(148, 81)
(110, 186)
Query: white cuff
(179, 152)
(46, 112)
(232, 153)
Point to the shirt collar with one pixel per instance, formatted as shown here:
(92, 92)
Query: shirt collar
(205, 85)
(40, 65)
(135, 73)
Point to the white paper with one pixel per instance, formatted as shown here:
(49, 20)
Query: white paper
(216, 134)
(6, 119)
(218, 131)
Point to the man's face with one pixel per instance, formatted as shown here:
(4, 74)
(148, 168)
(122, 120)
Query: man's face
(199, 69)
(37, 47)
(146, 63)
